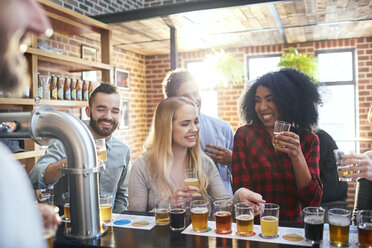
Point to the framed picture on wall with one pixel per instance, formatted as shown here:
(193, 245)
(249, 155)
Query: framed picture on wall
(122, 79)
(90, 54)
(124, 120)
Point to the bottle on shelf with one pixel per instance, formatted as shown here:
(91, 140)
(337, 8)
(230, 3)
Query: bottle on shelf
(39, 86)
(85, 90)
(45, 81)
(53, 87)
(79, 93)
(67, 89)
(73, 88)
(90, 88)
(60, 87)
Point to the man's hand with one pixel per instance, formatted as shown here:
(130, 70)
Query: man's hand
(51, 218)
(219, 154)
(251, 198)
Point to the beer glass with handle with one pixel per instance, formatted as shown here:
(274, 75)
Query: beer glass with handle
(339, 223)
(199, 215)
(223, 216)
(269, 219)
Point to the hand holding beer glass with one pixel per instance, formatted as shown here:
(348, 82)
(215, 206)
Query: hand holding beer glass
(279, 127)
(269, 219)
(339, 155)
(244, 216)
(314, 223)
(339, 222)
(191, 179)
(199, 215)
(223, 216)
(364, 222)
(101, 149)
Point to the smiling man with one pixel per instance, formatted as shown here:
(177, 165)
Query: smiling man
(104, 112)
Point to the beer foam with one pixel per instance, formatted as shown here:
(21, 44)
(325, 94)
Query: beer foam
(189, 180)
(269, 219)
(314, 220)
(199, 210)
(338, 221)
(245, 217)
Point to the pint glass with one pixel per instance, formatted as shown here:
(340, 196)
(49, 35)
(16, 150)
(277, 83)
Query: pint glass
(199, 215)
(223, 216)
(339, 222)
(269, 219)
(314, 223)
(244, 216)
(191, 179)
(364, 222)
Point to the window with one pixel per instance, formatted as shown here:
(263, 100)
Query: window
(337, 116)
(207, 86)
(259, 65)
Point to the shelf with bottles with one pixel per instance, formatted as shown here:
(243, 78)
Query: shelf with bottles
(33, 102)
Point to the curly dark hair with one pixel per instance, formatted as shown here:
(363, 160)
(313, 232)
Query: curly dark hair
(294, 95)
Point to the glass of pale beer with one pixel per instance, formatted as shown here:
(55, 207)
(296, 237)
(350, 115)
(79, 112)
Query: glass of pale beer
(162, 217)
(101, 149)
(314, 223)
(269, 219)
(339, 155)
(191, 179)
(244, 216)
(223, 216)
(364, 222)
(66, 206)
(199, 215)
(279, 127)
(339, 223)
(105, 207)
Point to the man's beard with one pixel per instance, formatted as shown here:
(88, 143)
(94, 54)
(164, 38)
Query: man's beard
(105, 132)
(13, 66)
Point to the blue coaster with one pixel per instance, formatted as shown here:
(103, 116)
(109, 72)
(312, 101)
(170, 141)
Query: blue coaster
(268, 238)
(121, 222)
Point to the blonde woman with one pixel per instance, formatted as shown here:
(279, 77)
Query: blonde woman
(171, 147)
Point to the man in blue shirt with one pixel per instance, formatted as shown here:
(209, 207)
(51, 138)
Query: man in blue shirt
(216, 136)
(104, 112)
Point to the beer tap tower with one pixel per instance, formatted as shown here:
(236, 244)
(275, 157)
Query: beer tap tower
(44, 124)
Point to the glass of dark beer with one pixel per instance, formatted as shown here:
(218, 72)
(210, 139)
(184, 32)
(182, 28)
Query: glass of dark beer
(314, 223)
(364, 222)
(177, 212)
(339, 223)
(223, 216)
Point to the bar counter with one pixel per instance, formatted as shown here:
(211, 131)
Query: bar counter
(159, 236)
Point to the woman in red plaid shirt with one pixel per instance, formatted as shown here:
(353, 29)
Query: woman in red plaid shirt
(287, 175)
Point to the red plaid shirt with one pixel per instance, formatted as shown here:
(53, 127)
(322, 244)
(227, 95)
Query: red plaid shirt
(258, 167)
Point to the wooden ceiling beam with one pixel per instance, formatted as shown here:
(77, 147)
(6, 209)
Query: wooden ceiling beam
(165, 10)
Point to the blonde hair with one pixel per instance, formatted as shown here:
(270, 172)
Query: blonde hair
(158, 149)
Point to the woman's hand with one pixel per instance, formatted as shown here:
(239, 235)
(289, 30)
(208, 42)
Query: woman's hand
(362, 166)
(289, 143)
(185, 193)
(251, 198)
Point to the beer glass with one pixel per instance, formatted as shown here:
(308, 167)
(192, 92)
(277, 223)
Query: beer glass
(191, 179)
(244, 216)
(66, 205)
(105, 207)
(339, 222)
(199, 215)
(279, 127)
(269, 219)
(177, 212)
(314, 223)
(162, 216)
(46, 198)
(341, 174)
(223, 216)
(101, 149)
(364, 222)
